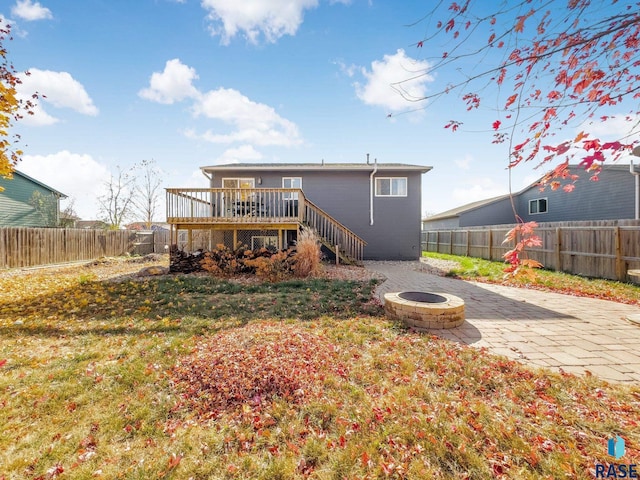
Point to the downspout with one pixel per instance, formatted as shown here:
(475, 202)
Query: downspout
(637, 175)
(208, 177)
(371, 186)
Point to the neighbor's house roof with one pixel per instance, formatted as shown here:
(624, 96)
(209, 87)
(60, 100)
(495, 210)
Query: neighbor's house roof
(39, 183)
(316, 166)
(455, 212)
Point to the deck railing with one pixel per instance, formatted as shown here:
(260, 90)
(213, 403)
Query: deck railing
(234, 205)
(263, 207)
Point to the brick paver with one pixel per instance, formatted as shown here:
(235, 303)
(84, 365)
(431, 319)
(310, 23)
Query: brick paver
(543, 329)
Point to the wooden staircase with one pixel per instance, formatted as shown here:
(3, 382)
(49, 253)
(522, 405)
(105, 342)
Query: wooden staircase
(345, 244)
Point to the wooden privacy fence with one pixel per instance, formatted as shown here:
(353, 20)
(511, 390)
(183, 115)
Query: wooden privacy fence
(593, 249)
(25, 247)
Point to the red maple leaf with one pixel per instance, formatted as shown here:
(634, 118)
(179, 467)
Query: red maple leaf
(496, 124)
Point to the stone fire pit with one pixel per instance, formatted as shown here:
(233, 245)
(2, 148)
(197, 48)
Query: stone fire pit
(425, 311)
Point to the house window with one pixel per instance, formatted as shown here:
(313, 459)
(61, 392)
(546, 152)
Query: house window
(238, 183)
(538, 205)
(391, 187)
(267, 241)
(291, 182)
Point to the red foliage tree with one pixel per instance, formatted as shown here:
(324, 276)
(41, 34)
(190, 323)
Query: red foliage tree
(551, 66)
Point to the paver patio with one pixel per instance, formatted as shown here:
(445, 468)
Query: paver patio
(542, 329)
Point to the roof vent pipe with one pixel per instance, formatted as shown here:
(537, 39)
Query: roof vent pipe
(367, 159)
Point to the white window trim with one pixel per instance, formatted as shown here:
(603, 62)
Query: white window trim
(406, 183)
(537, 200)
(290, 195)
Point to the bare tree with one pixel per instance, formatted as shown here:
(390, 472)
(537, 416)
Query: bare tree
(117, 203)
(68, 215)
(147, 191)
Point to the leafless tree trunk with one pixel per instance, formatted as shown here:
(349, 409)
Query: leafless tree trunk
(147, 192)
(116, 204)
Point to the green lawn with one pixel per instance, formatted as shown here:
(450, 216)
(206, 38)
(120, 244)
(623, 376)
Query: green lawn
(192, 377)
(482, 270)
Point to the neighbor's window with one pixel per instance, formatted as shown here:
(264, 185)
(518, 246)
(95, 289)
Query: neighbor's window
(291, 182)
(391, 187)
(539, 205)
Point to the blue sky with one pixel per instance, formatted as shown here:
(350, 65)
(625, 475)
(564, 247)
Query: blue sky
(203, 82)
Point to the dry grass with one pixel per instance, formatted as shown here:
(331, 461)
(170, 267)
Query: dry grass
(308, 255)
(88, 389)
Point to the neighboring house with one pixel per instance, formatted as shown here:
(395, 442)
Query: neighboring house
(26, 202)
(155, 226)
(370, 210)
(610, 198)
(92, 224)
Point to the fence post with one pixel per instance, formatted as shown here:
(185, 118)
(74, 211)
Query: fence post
(450, 242)
(558, 250)
(438, 241)
(490, 244)
(467, 250)
(620, 270)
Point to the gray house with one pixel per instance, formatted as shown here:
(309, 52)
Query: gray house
(610, 198)
(26, 202)
(362, 211)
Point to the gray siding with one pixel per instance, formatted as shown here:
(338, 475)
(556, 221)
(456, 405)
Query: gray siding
(17, 204)
(442, 224)
(611, 198)
(395, 233)
(497, 213)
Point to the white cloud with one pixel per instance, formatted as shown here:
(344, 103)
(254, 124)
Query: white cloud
(464, 163)
(478, 188)
(241, 154)
(172, 85)
(348, 70)
(255, 123)
(28, 10)
(272, 19)
(393, 80)
(58, 89)
(197, 180)
(614, 127)
(251, 122)
(77, 175)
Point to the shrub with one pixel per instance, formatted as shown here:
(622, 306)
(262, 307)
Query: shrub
(274, 268)
(308, 254)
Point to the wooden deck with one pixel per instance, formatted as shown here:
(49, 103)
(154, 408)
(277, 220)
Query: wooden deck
(258, 209)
